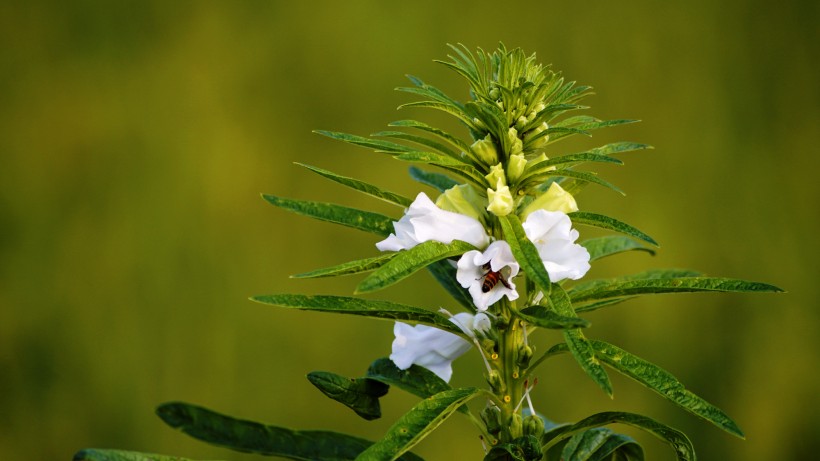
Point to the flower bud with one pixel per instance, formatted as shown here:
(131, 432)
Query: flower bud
(540, 142)
(554, 199)
(491, 415)
(501, 200)
(496, 175)
(516, 426)
(515, 167)
(485, 150)
(462, 199)
(516, 146)
(521, 123)
(533, 425)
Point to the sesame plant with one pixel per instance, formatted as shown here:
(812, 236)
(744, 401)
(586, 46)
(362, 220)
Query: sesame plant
(497, 229)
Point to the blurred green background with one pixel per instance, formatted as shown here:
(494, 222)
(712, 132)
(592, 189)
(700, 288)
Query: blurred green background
(136, 137)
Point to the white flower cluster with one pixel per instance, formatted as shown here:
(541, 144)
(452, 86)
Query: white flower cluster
(487, 273)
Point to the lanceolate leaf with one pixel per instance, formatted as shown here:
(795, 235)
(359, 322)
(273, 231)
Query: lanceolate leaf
(407, 262)
(97, 454)
(253, 437)
(670, 285)
(384, 310)
(605, 222)
(421, 140)
(363, 220)
(573, 158)
(583, 176)
(588, 307)
(352, 267)
(676, 439)
(577, 343)
(416, 424)
(439, 181)
(525, 252)
(445, 274)
(606, 246)
(416, 380)
(598, 284)
(360, 394)
(376, 144)
(454, 141)
(542, 317)
(599, 444)
(665, 384)
(361, 186)
(619, 147)
(448, 163)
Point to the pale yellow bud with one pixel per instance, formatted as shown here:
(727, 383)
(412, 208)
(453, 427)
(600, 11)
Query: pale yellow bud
(463, 199)
(554, 199)
(496, 174)
(516, 146)
(485, 150)
(501, 200)
(515, 167)
(540, 142)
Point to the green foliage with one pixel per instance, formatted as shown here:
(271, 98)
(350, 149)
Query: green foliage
(361, 186)
(352, 267)
(617, 288)
(437, 180)
(96, 454)
(360, 395)
(610, 245)
(416, 380)
(253, 437)
(601, 444)
(418, 423)
(525, 252)
(605, 222)
(351, 217)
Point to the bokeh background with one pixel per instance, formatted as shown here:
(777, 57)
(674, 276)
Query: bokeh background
(136, 137)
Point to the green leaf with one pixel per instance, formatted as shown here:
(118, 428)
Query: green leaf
(598, 284)
(416, 380)
(605, 222)
(384, 310)
(361, 186)
(619, 288)
(416, 424)
(545, 318)
(448, 163)
(455, 111)
(98, 454)
(439, 181)
(583, 176)
(352, 267)
(676, 439)
(573, 158)
(619, 147)
(445, 274)
(358, 219)
(589, 307)
(407, 262)
(599, 444)
(376, 144)
(421, 140)
(665, 384)
(454, 141)
(360, 394)
(253, 437)
(577, 343)
(525, 252)
(606, 246)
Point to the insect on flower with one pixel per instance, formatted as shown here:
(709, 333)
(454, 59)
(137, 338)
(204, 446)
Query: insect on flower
(491, 279)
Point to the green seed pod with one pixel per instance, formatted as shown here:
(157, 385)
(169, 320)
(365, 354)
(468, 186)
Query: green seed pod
(533, 425)
(491, 415)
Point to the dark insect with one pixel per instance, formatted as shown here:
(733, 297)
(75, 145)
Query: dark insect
(491, 279)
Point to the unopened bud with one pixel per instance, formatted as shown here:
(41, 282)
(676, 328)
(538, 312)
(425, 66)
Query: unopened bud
(515, 167)
(491, 415)
(554, 199)
(541, 141)
(485, 150)
(501, 200)
(516, 426)
(516, 146)
(462, 199)
(533, 425)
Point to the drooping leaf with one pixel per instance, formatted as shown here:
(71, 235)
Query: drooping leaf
(676, 439)
(352, 267)
(384, 310)
(525, 251)
(252, 437)
(599, 444)
(445, 275)
(416, 424)
(542, 317)
(664, 383)
(416, 380)
(378, 145)
(361, 186)
(102, 454)
(407, 262)
(612, 244)
(351, 217)
(359, 394)
(577, 343)
(618, 289)
(605, 222)
(439, 181)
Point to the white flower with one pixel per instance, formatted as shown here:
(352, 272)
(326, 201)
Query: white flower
(477, 271)
(425, 221)
(433, 348)
(554, 237)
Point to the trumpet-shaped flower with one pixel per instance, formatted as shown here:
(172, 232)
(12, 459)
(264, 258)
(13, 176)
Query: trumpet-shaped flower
(488, 275)
(433, 348)
(425, 221)
(554, 237)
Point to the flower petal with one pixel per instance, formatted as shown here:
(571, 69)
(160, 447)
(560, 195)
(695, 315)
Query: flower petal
(552, 234)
